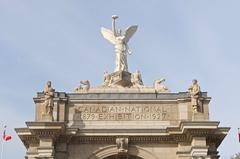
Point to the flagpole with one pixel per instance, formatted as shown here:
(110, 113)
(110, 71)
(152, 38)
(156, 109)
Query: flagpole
(2, 141)
(2, 149)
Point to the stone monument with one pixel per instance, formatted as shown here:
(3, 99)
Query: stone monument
(122, 118)
(48, 92)
(195, 92)
(120, 40)
(121, 76)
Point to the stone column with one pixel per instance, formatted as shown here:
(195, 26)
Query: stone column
(183, 150)
(31, 152)
(61, 151)
(199, 149)
(46, 133)
(46, 148)
(212, 151)
(59, 107)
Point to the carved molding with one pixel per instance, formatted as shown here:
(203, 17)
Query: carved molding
(92, 140)
(42, 133)
(132, 150)
(200, 132)
(30, 140)
(132, 140)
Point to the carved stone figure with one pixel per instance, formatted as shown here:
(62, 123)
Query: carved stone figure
(159, 87)
(122, 145)
(48, 97)
(137, 79)
(120, 40)
(195, 93)
(106, 79)
(84, 86)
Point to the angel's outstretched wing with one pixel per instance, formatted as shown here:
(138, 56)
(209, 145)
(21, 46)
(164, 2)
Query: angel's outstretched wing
(129, 32)
(108, 34)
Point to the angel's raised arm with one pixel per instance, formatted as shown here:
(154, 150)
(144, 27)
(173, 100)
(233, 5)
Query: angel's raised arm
(114, 17)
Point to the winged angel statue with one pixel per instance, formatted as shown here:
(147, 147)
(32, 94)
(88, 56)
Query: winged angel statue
(120, 40)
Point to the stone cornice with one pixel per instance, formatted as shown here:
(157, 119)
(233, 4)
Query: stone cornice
(58, 96)
(172, 139)
(216, 139)
(125, 95)
(172, 135)
(46, 125)
(46, 129)
(187, 127)
(142, 139)
(27, 137)
(184, 133)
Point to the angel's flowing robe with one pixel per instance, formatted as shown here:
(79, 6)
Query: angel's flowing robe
(121, 54)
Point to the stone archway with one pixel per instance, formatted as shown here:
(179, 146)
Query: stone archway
(109, 152)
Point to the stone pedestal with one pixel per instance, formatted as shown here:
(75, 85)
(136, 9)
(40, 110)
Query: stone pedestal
(198, 116)
(121, 78)
(47, 118)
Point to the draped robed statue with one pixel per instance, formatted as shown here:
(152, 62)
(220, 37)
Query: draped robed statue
(120, 40)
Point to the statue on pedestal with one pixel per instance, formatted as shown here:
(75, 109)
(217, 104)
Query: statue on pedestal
(48, 97)
(106, 79)
(159, 87)
(137, 79)
(195, 93)
(120, 40)
(84, 86)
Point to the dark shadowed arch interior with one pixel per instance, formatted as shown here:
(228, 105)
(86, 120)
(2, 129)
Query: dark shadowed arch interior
(123, 157)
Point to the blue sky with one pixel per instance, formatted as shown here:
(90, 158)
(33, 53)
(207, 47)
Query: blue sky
(60, 41)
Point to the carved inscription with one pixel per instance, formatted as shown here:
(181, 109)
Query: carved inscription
(123, 112)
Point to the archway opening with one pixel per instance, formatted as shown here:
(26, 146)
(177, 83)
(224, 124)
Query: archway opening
(123, 157)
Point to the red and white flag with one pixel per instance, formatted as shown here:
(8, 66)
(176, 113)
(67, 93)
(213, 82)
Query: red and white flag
(5, 136)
